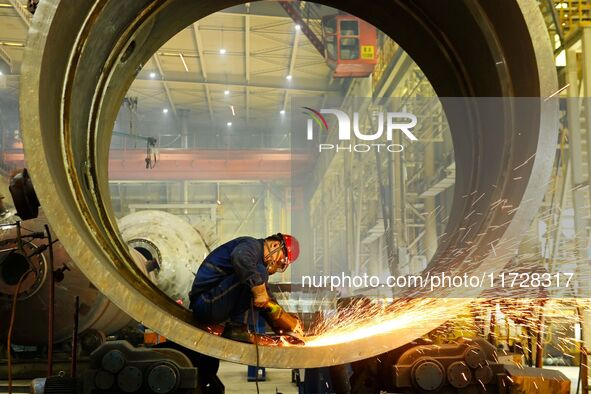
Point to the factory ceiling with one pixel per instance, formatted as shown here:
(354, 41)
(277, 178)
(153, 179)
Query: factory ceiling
(243, 65)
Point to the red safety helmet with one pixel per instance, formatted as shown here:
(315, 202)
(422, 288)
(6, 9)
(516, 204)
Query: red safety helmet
(291, 250)
(292, 247)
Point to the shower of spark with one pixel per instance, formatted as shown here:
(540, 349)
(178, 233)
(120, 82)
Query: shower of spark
(518, 316)
(363, 321)
(518, 322)
(521, 314)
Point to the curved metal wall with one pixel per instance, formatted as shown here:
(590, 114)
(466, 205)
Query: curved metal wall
(81, 60)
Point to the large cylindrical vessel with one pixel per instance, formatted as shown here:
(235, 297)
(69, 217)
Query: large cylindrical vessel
(80, 61)
(173, 242)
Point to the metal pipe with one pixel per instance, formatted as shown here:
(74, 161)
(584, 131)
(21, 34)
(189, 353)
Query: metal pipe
(583, 380)
(11, 326)
(584, 269)
(530, 347)
(492, 337)
(540, 334)
(430, 232)
(75, 338)
(576, 156)
(51, 304)
(93, 50)
(19, 237)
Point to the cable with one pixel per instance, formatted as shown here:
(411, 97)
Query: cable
(13, 240)
(26, 229)
(581, 350)
(51, 305)
(42, 248)
(10, 327)
(255, 319)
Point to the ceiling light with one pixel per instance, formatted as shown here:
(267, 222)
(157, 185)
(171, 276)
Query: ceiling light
(152, 75)
(282, 112)
(226, 92)
(222, 51)
(229, 124)
(233, 111)
(1, 73)
(165, 110)
(11, 44)
(219, 202)
(288, 77)
(298, 27)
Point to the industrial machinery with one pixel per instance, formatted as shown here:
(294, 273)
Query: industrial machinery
(465, 366)
(96, 311)
(172, 259)
(31, 260)
(92, 52)
(117, 367)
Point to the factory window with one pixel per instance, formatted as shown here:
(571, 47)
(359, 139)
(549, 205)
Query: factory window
(349, 48)
(349, 28)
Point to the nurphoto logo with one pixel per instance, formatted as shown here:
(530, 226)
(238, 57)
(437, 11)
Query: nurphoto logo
(394, 122)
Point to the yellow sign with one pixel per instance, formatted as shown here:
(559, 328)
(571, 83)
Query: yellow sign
(367, 52)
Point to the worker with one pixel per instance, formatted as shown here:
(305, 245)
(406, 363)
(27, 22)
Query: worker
(233, 278)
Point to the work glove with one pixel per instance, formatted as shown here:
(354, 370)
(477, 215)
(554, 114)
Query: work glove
(260, 296)
(281, 321)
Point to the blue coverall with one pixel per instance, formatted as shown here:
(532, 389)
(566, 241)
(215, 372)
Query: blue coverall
(222, 287)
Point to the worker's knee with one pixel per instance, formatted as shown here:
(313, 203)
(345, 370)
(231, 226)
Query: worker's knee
(221, 303)
(202, 311)
(210, 313)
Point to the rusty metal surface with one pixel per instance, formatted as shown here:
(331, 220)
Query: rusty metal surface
(96, 310)
(80, 61)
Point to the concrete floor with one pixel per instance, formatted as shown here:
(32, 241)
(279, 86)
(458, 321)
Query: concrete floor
(233, 376)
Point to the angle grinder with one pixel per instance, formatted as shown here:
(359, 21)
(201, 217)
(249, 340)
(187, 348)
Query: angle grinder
(282, 322)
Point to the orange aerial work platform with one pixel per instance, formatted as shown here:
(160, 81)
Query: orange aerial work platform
(351, 45)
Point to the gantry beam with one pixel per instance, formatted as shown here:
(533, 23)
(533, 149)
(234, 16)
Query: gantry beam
(6, 57)
(247, 63)
(202, 66)
(164, 83)
(195, 164)
(22, 12)
(292, 62)
(277, 83)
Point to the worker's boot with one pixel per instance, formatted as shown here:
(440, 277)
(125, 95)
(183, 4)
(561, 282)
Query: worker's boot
(238, 332)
